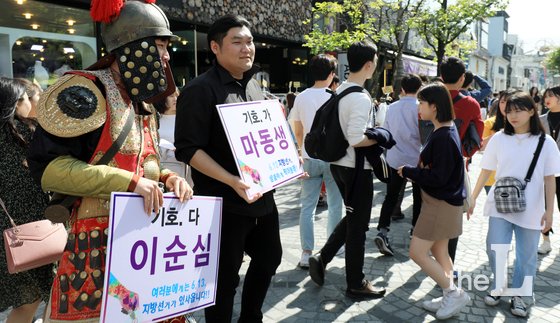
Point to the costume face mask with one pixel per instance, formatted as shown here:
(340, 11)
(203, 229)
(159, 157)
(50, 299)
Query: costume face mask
(130, 37)
(143, 72)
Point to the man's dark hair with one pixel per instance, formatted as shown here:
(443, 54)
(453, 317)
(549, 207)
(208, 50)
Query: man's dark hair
(322, 66)
(219, 29)
(335, 80)
(359, 54)
(410, 83)
(437, 94)
(451, 70)
(469, 77)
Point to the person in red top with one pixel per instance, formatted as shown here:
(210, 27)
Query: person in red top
(467, 110)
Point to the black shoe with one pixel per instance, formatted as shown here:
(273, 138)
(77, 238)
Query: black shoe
(367, 291)
(382, 243)
(317, 269)
(396, 217)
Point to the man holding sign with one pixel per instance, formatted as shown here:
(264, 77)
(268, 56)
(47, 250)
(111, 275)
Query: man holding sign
(248, 224)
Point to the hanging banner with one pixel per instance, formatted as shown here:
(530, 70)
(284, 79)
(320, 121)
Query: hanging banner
(343, 67)
(262, 144)
(164, 265)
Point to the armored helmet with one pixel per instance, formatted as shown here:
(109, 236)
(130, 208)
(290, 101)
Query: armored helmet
(129, 30)
(137, 20)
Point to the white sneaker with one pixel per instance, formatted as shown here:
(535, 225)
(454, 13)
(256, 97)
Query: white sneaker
(491, 300)
(518, 307)
(452, 304)
(544, 247)
(304, 261)
(432, 305)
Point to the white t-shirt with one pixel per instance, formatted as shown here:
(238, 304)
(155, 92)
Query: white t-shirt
(167, 149)
(510, 156)
(355, 112)
(305, 106)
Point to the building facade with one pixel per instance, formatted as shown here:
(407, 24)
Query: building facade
(500, 51)
(60, 35)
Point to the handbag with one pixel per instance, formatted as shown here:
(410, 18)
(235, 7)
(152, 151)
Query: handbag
(33, 244)
(509, 192)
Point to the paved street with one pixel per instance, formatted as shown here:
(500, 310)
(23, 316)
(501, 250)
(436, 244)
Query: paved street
(293, 297)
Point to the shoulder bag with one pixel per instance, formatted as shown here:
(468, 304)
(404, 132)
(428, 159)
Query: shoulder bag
(33, 244)
(509, 192)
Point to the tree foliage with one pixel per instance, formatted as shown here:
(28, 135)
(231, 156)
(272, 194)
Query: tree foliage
(355, 23)
(553, 60)
(442, 23)
(377, 20)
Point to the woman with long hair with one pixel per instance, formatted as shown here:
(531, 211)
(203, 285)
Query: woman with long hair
(510, 153)
(440, 175)
(551, 124)
(493, 125)
(24, 200)
(534, 93)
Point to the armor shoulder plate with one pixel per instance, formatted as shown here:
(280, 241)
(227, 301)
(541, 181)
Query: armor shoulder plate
(72, 107)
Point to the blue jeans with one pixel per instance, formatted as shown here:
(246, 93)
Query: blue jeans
(500, 231)
(318, 171)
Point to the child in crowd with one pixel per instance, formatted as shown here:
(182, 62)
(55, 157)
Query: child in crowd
(440, 175)
(521, 133)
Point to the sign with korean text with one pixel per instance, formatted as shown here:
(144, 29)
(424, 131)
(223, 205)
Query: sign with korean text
(262, 144)
(164, 265)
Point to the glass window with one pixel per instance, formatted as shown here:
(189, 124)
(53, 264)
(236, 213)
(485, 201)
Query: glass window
(183, 58)
(45, 40)
(46, 17)
(45, 60)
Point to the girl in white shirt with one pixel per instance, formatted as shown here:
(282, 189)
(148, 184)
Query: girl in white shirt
(521, 133)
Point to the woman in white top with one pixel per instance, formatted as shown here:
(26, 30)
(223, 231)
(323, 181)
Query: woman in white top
(521, 133)
(167, 110)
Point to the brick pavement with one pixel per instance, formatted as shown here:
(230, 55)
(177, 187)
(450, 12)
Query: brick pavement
(293, 297)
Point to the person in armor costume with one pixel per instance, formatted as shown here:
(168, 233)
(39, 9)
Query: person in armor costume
(79, 119)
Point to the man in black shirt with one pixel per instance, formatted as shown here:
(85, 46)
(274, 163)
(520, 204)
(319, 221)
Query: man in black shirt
(248, 225)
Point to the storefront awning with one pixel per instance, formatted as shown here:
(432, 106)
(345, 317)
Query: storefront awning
(418, 65)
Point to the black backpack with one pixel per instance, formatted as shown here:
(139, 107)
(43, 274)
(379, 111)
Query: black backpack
(325, 140)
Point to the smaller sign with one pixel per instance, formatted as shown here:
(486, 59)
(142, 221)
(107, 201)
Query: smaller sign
(262, 144)
(387, 89)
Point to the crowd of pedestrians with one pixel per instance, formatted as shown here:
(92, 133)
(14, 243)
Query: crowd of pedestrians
(52, 147)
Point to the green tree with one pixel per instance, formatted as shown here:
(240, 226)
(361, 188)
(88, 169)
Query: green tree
(553, 60)
(355, 23)
(442, 23)
(396, 17)
(376, 20)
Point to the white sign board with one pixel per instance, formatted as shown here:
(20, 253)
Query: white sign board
(343, 68)
(262, 144)
(164, 265)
